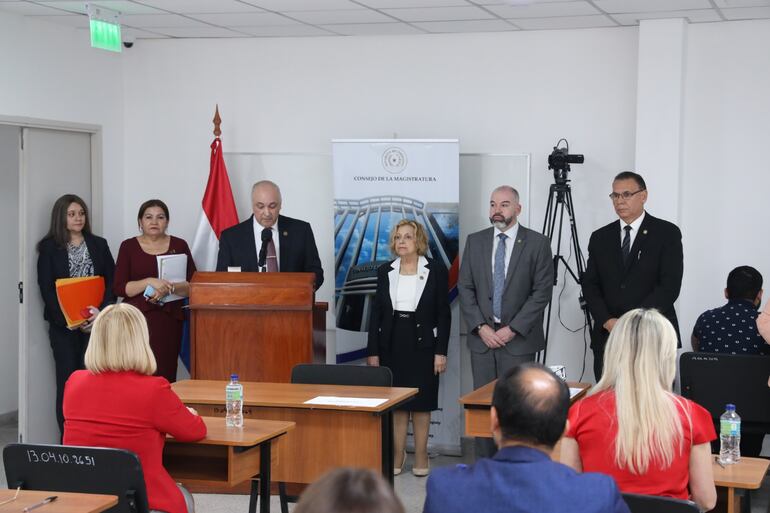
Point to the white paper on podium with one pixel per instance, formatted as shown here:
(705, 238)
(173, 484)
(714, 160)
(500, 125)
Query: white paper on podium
(172, 268)
(330, 400)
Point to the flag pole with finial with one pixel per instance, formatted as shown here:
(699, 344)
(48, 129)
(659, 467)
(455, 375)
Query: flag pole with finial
(217, 121)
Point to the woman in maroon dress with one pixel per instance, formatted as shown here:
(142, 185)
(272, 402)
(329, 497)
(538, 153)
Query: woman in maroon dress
(137, 267)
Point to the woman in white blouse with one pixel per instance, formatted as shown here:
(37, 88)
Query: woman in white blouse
(409, 333)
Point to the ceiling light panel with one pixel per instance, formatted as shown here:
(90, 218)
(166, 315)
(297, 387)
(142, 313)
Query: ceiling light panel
(440, 14)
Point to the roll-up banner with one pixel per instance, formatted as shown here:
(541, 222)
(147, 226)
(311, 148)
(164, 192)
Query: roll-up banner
(377, 183)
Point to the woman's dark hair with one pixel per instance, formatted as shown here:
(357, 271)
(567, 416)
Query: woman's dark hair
(349, 490)
(153, 203)
(58, 229)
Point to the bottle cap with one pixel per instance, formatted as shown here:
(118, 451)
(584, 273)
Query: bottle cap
(233, 377)
(730, 407)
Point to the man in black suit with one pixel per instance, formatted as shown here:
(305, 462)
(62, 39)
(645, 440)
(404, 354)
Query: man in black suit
(633, 262)
(290, 245)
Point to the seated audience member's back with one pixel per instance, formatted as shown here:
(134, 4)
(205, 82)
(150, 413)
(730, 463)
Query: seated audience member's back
(732, 328)
(117, 403)
(349, 490)
(528, 416)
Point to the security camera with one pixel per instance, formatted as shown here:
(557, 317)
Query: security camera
(128, 41)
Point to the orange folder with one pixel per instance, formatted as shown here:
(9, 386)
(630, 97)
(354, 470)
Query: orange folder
(77, 294)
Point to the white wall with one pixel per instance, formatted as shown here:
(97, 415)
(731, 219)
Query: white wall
(502, 93)
(726, 177)
(51, 72)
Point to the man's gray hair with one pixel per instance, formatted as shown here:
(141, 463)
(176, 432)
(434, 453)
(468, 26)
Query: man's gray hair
(508, 188)
(264, 183)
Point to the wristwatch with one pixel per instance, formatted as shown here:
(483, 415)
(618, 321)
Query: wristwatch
(476, 330)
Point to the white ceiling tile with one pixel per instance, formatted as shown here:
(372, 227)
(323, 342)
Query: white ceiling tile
(621, 6)
(544, 10)
(159, 20)
(122, 6)
(741, 3)
(398, 4)
(29, 8)
(244, 19)
(440, 14)
(467, 26)
(127, 32)
(201, 6)
(693, 16)
(303, 5)
(746, 13)
(564, 23)
(72, 20)
(340, 17)
(197, 32)
(515, 2)
(296, 30)
(373, 29)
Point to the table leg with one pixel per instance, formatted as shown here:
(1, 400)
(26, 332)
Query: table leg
(253, 496)
(730, 500)
(387, 446)
(264, 477)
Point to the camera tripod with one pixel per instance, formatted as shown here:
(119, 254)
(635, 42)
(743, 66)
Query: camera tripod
(559, 201)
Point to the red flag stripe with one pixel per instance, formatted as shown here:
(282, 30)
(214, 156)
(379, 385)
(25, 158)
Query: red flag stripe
(218, 202)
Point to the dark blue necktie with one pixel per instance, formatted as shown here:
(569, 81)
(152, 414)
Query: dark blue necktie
(626, 246)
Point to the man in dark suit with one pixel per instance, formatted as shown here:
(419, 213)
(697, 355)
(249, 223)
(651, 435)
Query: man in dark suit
(528, 416)
(505, 283)
(635, 262)
(290, 245)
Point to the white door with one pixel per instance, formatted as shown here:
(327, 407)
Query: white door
(53, 163)
(9, 269)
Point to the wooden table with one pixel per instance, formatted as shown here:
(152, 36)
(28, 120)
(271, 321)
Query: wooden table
(476, 405)
(747, 474)
(227, 456)
(325, 436)
(65, 502)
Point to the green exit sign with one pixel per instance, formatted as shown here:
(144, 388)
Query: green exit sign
(105, 35)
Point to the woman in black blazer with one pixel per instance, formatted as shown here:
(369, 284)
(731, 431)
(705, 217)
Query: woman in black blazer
(409, 333)
(70, 250)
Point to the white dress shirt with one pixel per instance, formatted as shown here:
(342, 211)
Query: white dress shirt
(276, 240)
(406, 292)
(634, 229)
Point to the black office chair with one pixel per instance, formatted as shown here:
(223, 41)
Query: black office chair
(63, 468)
(353, 375)
(653, 504)
(323, 374)
(714, 380)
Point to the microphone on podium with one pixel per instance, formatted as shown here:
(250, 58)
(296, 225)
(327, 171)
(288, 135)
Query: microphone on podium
(267, 236)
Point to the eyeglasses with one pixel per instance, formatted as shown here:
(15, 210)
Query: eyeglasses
(614, 196)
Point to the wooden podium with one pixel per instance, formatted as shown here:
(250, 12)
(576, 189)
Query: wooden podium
(257, 325)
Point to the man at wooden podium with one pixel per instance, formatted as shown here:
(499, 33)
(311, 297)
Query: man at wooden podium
(268, 241)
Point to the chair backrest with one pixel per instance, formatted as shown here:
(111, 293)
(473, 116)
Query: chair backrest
(714, 380)
(353, 375)
(63, 468)
(653, 504)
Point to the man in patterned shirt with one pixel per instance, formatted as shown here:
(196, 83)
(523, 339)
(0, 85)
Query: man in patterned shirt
(732, 328)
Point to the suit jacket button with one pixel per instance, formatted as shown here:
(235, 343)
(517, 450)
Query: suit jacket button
(419, 339)
(418, 325)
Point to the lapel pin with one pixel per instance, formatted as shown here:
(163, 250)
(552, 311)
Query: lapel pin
(518, 241)
(286, 234)
(644, 232)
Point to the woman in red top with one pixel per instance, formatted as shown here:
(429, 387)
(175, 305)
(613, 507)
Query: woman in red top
(137, 267)
(633, 427)
(117, 402)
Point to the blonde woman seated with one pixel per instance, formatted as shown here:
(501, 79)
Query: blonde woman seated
(632, 427)
(118, 403)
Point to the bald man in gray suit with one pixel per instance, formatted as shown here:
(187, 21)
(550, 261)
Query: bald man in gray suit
(506, 280)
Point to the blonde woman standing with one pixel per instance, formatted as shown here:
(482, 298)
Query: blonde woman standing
(633, 427)
(409, 334)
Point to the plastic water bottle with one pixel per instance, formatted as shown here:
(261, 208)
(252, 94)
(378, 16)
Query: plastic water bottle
(729, 436)
(234, 402)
